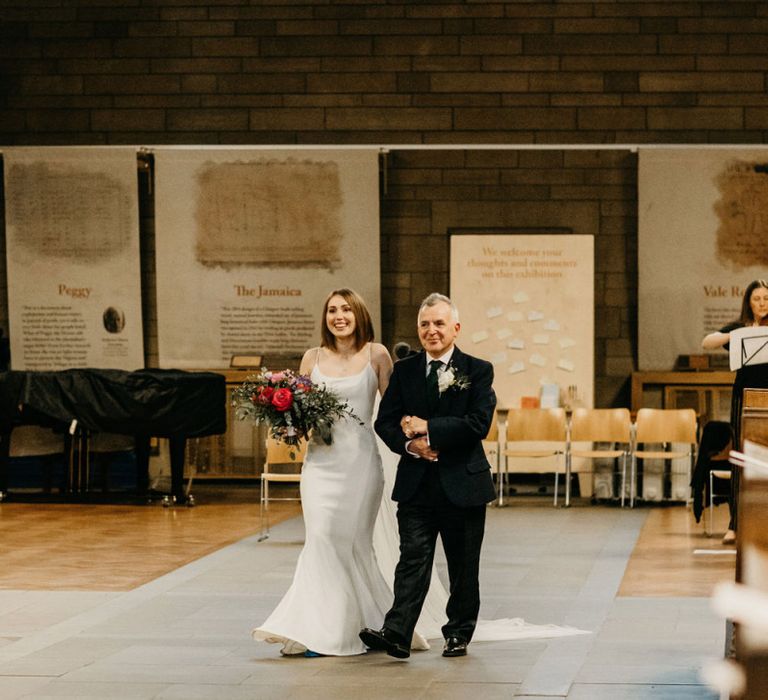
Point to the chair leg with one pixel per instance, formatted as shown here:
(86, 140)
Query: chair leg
(263, 506)
(632, 481)
(557, 483)
(623, 477)
(709, 531)
(500, 481)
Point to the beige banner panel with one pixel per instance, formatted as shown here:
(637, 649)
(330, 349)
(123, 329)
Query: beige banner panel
(74, 282)
(526, 303)
(250, 241)
(703, 227)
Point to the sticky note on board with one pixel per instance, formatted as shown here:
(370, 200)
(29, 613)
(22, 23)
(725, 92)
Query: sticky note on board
(515, 316)
(567, 342)
(535, 316)
(479, 336)
(538, 360)
(552, 325)
(520, 297)
(566, 365)
(516, 367)
(493, 312)
(541, 339)
(516, 344)
(503, 333)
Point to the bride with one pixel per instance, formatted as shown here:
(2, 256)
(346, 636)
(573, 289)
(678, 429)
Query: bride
(338, 586)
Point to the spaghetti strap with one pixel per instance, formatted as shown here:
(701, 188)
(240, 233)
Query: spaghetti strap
(317, 357)
(370, 352)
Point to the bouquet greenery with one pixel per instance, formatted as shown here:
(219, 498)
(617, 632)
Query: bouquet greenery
(291, 405)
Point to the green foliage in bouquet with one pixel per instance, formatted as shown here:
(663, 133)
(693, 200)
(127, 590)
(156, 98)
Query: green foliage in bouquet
(291, 405)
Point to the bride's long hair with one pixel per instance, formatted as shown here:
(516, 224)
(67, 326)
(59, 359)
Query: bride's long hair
(363, 322)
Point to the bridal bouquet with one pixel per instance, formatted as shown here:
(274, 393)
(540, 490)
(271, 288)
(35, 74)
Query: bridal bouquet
(291, 405)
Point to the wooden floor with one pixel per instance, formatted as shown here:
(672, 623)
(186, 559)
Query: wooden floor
(664, 562)
(48, 546)
(45, 546)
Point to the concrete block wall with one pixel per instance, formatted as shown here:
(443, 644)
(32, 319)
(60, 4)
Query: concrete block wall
(523, 72)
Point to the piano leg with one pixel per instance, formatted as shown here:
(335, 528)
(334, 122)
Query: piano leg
(178, 446)
(77, 449)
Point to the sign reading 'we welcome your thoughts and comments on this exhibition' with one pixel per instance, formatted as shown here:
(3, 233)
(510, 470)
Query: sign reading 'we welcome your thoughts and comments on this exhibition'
(526, 303)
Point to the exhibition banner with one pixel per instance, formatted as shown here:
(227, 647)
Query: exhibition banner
(250, 241)
(72, 247)
(702, 230)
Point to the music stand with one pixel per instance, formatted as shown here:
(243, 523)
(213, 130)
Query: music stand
(748, 346)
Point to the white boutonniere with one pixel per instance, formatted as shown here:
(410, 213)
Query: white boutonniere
(451, 378)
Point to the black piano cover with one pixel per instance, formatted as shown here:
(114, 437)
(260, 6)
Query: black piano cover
(154, 402)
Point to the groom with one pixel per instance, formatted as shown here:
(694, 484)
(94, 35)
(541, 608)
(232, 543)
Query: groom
(435, 413)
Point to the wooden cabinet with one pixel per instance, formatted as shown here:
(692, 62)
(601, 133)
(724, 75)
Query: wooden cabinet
(706, 392)
(237, 454)
(754, 416)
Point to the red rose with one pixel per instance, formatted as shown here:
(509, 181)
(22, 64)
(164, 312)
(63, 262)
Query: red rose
(265, 395)
(282, 399)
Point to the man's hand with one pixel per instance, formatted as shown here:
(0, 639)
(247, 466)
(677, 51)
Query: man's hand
(413, 426)
(421, 447)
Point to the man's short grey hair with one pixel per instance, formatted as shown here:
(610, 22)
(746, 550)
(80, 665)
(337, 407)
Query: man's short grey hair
(436, 298)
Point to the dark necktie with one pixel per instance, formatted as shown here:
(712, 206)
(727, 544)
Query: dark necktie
(433, 393)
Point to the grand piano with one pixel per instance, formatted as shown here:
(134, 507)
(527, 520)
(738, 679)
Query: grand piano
(144, 403)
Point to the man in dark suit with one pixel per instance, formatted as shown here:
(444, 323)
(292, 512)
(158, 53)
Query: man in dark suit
(435, 413)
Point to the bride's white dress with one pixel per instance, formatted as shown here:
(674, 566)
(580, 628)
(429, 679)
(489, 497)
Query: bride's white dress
(343, 578)
(338, 587)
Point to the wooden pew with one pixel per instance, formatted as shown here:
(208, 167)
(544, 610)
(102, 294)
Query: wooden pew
(750, 643)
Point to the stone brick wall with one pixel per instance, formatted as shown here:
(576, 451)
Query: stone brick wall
(467, 73)
(190, 71)
(430, 193)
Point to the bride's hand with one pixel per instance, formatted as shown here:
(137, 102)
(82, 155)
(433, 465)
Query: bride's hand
(413, 425)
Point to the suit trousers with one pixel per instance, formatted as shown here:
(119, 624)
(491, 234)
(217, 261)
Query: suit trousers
(420, 520)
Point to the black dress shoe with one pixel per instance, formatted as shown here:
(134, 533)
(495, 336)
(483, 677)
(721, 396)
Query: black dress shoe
(455, 647)
(384, 640)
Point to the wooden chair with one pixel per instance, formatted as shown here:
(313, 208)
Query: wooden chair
(281, 456)
(492, 451)
(599, 425)
(534, 434)
(665, 427)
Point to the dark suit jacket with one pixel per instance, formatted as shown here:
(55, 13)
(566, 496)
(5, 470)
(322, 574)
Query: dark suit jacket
(456, 429)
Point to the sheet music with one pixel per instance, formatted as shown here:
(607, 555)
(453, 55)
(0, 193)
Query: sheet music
(748, 346)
